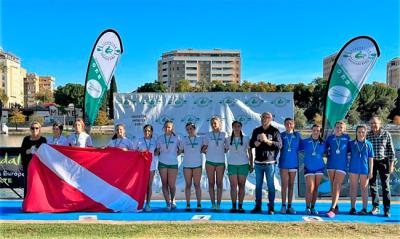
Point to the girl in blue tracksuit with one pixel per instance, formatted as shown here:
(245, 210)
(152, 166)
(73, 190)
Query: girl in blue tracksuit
(337, 163)
(314, 166)
(360, 167)
(289, 163)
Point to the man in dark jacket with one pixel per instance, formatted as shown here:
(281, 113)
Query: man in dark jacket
(267, 142)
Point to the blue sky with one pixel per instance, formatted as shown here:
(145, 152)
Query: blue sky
(280, 41)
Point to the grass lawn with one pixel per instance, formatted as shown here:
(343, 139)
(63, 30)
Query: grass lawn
(198, 230)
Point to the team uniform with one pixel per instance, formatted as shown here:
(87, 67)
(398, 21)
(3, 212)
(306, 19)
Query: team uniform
(192, 157)
(237, 155)
(360, 154)
(337, 152)
(169, 146)
(80, 140)
(313, 153)
(61, 140)
(123, 143)
(150, 145)
(215, 155)
(289, 153)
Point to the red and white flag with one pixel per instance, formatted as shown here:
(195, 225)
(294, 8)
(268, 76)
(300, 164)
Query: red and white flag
(66, 179)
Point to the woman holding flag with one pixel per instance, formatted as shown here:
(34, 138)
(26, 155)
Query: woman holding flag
(314, 166)
(80, 138)
(337, 163)
(168, 150)
(148, 143)
(119, 140)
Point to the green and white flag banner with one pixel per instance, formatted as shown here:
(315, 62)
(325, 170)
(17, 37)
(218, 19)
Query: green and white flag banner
(349, 72)
(104, 58)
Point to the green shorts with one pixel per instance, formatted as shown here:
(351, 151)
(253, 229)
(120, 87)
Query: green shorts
(163, 165)
(238, 169)
(215, 164)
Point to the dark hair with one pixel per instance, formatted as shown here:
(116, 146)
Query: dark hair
(319, 137)
(362, 126)
(190, 124)
(167, 122)
(58, 125)
(150, 127)
(241, 133)
(288, 119)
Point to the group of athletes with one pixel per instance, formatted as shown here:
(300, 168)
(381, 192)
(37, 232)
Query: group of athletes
(356, 157)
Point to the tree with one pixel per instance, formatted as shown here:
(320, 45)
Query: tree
(113, 89)
(44, 96)
(383, 114)
(353, 117)
(317, 98)
(299, 118)
(70, 93)
(317, 119)
(3, 97)
(16, 117)
(102, 118)
(183, 86)
(396, 110)
(156, 86)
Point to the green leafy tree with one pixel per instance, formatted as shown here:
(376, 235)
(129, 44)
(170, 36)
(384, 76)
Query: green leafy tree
(156, 86)
(317, 119)
(37, 118)
(353, 117)
(16, 118)
(299, 118)
(217, 86)
(3, 97)
(70, 93)
(317, 99)
(183, 86)
(383, 114)
(113, 89)
(44, 96)
(102, 118)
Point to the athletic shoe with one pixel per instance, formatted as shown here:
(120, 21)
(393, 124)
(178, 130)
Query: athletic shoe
(283, 210)
(307, 211)
(352, 211)
(336, 211)
(173, 205)
(290, 210)
(147, 208)
(256, 209)
(198, 209)
(314, 212)
(386, 213)
(233, 210)
(241, 210)
(375, 211)
(271, 211)
(330, 214)
(187, 209)
(168, 207)
(363, 212)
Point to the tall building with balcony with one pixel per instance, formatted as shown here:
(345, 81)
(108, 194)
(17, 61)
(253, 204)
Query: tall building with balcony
(393, 73)
(327, 65)
(31, 88)
(12, 78)
(46, 83)
(199, 65)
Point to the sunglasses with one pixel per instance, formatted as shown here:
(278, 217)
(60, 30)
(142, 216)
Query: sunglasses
(33, 128)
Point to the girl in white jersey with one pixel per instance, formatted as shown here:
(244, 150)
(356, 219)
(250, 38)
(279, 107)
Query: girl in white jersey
(148, 143)
(240, 162)
(214, 148)
(119, 140)
(192, 163)
(80, 138)
(57, 138)
(168, 151)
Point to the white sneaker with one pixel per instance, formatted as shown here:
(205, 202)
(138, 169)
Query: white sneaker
(173, 205)
(283, 210)
(147, 208)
